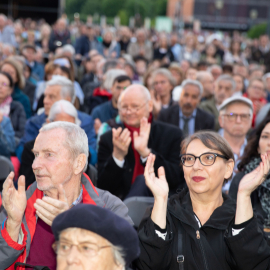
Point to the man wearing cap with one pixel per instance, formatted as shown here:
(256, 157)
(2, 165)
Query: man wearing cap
(103, 240)
(29, 52)
(61, 153)
(235, 118)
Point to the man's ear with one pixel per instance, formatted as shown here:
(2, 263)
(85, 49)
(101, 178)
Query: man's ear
(79, 164)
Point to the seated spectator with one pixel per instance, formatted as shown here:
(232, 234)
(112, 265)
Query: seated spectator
(215, 70)
(57, 89)
(224, 88)
(7, 31)
(111, 242)
(109, 110)
(10, 108)
(29, 51)
(109, 48)
(189, 51)
(7, 136)
(186, 115)
(163, 84)
(240, 85)
(210, 56)
(141, 47)
(61, 157)
(207, 81)
(125, 35)
(257, 146)
(14, 69)
(163, 51)
(123, 151)
(61, 110)
(235, 117)
(178, 75)
(256, 93)
(141, 67)
(175, 46)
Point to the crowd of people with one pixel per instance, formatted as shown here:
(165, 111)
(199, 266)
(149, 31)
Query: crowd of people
(93, 116)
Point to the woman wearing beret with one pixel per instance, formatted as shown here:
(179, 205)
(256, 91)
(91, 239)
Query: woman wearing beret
(187, 232)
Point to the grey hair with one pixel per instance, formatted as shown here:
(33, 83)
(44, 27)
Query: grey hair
(63, 106)
(110, 77)
(166, 73)
(76, 139)
(68, 48)
(192, 82)
(227, 78)
(118, 255)
(201, 75)
(9, 46)
(67, 86)
(3, 16)
(214, 66)
(265, 76)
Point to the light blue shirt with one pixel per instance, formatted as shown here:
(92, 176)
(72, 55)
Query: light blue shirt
(236, 158)
(176, 50)
(191, 123)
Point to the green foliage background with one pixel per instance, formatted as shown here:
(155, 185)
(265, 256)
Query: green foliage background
(257, 30)
(111, 8)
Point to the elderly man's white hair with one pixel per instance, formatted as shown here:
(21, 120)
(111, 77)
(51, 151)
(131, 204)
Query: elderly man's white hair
(228, 78)
(214, 66)
(63, 106)
(69, 49)
(192, 82)
(76, 139)
(110, 76)
(138, 87)
(202, 74)
(166, 73)
(67, 86)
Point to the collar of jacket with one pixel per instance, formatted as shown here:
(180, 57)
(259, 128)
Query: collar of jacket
(180, 206)
(90, 196)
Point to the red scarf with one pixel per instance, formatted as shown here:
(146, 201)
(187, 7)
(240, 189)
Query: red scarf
(138, 168)
(102, 92)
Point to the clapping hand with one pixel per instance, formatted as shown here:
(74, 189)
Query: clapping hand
(141, 140)
(158, 185)
(48, 208)
(157, 104)
(121, 141)
(255, 178)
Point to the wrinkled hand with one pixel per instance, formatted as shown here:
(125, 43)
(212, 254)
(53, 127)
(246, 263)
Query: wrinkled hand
(97, 125)
(14, 200)
(48, 208)
(141, 140)
(121, 142)
(255, 178)
(158, 186)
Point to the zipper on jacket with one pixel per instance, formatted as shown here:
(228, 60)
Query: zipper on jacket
(198, 236)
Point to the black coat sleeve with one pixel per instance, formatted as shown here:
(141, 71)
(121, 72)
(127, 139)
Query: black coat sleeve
(156, 253)
(249, 249)
(235, 184)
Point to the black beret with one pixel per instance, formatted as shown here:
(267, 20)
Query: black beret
(102, 222)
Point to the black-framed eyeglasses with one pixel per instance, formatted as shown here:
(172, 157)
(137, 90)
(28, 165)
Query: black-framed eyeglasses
(87, 249)
(206, 159)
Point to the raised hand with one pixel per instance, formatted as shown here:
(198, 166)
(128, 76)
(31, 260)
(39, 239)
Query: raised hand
(255, 178)
(140, 141)
(97, 125)
(158, 185)
(157, 104)
(121, 141)
(48, 208)
(14, 201)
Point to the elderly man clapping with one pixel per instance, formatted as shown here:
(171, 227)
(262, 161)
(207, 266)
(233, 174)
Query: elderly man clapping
(61, 152)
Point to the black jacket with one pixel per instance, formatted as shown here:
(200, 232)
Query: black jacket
(256, 204)
(164, 142)
(203, 248)
(57, 40)
(83, 45)
(203, 119)
(18, 118)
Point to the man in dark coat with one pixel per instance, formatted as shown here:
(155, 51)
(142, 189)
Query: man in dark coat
(187, 116)
(122, 154)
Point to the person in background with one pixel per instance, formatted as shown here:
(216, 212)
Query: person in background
(10, 108)
(14, 69)
(215, 70)
(163, 51)
(224, 88)
(109, 110)
(6, 31)
(240, 85)
(175, 47)
(109, 48)
(189, 51)
(125, 35)
(207, 81)
(163, 84)
(123, 151)
(186, 115)
(235, 117)
(266, 81)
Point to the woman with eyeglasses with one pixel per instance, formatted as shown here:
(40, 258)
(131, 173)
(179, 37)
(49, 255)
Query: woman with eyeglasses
(187, 231)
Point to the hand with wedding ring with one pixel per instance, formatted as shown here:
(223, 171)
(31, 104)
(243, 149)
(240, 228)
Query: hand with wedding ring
(121, 141)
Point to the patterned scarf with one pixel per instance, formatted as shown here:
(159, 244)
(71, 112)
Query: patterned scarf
(5, 106)
(263, 189)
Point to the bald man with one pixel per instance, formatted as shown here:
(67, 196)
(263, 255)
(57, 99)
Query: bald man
(123, 151)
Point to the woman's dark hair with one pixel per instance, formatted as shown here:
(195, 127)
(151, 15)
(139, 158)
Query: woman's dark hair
(11, 84)
(67, 71)
(211, 140)
(251, 150)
